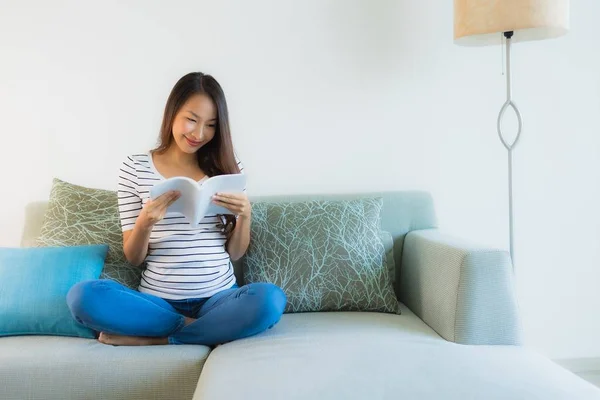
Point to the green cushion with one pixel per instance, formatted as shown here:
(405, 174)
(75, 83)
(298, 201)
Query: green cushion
(78, 215)
(325, 255)
(403, 211)
(34, 287)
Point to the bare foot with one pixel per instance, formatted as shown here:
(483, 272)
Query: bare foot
(118, 340)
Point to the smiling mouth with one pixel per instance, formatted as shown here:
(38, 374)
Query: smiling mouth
(192, 142)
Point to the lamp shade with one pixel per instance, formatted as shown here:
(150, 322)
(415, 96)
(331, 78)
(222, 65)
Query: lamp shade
(481, 22)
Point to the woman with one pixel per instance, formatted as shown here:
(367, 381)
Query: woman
(188, 291)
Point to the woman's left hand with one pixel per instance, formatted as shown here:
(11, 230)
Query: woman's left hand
(237, 203)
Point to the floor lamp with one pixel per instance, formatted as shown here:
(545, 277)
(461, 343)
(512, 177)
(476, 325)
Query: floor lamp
(490, 22)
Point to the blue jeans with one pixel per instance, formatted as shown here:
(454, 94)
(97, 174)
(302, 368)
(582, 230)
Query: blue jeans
(107, 306)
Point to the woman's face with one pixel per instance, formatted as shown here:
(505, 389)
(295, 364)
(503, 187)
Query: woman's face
(195, 124)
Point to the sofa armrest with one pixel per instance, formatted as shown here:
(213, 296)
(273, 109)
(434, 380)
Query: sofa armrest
(464, 292)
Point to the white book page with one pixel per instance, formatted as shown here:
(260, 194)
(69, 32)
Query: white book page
(196, 200)
(187, 204)
(232, 183)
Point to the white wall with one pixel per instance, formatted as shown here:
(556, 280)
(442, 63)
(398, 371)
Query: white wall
(329, 95)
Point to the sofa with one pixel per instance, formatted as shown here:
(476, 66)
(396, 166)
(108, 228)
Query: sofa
(458, 335)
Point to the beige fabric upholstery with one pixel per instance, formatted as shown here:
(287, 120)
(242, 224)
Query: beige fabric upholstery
(463, 291)
(377, 356)
(61, 368)
(34, 218)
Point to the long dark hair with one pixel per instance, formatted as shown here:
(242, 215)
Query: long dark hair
(217, 156)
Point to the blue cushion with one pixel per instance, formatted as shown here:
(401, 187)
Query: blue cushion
(33, 288)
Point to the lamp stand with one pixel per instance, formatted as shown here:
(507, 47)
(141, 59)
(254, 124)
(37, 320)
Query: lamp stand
(509, 146)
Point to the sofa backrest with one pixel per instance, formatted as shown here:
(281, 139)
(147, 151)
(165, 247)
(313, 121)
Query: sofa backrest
(403, 211)
(34, 217)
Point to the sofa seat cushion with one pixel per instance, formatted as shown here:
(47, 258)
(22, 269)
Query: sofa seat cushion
(51, 367)
(346, 355)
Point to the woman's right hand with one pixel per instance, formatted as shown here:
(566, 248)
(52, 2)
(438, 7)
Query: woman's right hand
(155, 210)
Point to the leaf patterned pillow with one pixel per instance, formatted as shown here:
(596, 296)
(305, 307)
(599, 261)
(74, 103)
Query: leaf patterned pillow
(77, 215)
(326, 255)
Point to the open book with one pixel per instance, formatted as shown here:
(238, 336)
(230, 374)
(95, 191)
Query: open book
(196, 197)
